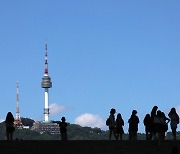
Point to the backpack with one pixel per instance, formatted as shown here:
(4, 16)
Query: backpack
(107, 122)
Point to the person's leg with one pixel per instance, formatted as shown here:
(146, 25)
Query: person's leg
(146, 135)
(62, 136)
(11, 135)
(117, 136)
(7, 134)
(120, 136)
(110, 133)
(135, 135)
(150, 135)
(174, 133)
(65, 136)
(114, 133)
(129, 136)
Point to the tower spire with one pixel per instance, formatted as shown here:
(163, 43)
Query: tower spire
(46, 60)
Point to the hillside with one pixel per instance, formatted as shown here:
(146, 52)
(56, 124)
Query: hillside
(75, 132)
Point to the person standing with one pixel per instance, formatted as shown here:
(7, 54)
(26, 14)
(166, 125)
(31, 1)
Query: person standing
(174, 121)
(112, 124)
(63, 129)
(148, 126)
(164, 125)
(119, 126)
(133, 125)
(153, 117)
(9, 126)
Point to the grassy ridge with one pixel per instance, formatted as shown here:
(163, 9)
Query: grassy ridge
(75, 132)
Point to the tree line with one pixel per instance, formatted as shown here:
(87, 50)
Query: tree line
(75, 132)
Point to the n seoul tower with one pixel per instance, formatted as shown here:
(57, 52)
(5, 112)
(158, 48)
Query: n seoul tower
(46, 84)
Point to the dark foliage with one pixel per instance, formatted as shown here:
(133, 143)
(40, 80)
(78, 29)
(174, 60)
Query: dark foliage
(27, 122)
(75, 132)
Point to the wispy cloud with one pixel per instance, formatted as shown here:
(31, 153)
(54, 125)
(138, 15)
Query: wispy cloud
(56, 108)
(90, 120)
(2, 120)
(178, 110)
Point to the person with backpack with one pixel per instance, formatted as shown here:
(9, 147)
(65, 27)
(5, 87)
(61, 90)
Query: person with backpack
(133, 125)
(174, 121)
(119, 126)
(112, 124)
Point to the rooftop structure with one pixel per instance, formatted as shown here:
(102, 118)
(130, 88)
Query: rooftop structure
(50, 127)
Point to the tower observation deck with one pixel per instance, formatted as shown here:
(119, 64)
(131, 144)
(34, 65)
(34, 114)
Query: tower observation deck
(46, 84)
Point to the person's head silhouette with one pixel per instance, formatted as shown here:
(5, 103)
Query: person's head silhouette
(113, 111)
(134, 112)
(63, 119)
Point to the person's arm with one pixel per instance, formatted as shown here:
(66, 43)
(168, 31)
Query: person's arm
(168, 120)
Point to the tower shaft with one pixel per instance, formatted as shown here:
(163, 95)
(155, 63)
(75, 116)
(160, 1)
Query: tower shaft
(46, 107)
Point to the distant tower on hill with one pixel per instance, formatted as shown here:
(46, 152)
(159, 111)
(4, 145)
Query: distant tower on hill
(46, 84)
(17, 121)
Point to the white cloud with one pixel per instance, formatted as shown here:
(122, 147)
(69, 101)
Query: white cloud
(2, 120)
(90, 120)
(178, 110)
(56, 108)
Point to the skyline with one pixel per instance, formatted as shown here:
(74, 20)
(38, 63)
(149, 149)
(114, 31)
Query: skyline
(101, 55)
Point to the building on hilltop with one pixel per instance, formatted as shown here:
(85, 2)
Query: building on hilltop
(42, 127)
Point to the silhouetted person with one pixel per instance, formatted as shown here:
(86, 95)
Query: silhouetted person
(9, 126)
(153, 129)
(157, 126)
(63, 129)
(119, 126)
(148, 126)
(112, 124)
(160, 125)
(164, 125)
(133, 125)
(175, 150)
(174, 121)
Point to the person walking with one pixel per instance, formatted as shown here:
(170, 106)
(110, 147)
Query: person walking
(174, 121)
(63, 129)
(9, 126)
(119, 126)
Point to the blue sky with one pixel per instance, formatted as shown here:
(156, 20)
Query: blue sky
(101, 53)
